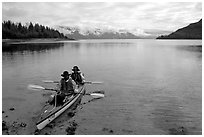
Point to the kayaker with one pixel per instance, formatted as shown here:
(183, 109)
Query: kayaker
(67, 87)
(67, 84)
(77, 76)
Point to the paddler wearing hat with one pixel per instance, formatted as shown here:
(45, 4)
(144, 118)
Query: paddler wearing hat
(77, 76)
(67, 84)
(67, 87)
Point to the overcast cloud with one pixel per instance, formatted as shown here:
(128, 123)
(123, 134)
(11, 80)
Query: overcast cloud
(130, 15)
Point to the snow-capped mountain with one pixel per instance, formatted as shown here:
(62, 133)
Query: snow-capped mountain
(104, 33)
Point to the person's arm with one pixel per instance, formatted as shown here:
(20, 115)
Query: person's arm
(60, 85)
(82, 77)
(74, 84)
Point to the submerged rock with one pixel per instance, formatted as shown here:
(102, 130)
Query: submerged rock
(105, 129)
(36, 132)
(178, 131)
(4, 126)
(51, 125)
(15, 124)
(12, 109)
(71, 128)
(71, 114)
(74, 124)
(22, 124)
(108, 130)
(111, 131)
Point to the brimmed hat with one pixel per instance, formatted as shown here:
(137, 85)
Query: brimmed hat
(65, 73)
(75, 68)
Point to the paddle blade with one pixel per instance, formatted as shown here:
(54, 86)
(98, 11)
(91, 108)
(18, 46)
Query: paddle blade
(50, 81)
(97, 95)
(99, 91)
(93, 82)
(97, 82)
(35, 87)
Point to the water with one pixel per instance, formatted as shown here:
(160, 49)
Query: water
(151, 86)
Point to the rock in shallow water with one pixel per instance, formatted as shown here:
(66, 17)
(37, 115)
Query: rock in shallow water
(71, 128)
(71, 114)
(4, 126)
(36, 132)
(22, 124)
(109, 130)
(51, 125)
(178, 131)
(12, 109)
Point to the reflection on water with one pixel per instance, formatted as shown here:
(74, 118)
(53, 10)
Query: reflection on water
(191, 48)
(12, 53)
(30, 47)
(151, 86)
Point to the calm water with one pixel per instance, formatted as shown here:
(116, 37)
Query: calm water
(151, 86)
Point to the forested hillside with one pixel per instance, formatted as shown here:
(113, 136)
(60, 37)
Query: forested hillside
(192, 31)
(12, 30)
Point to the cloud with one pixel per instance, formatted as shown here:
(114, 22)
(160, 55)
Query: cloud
(12, 11)
(118, 15)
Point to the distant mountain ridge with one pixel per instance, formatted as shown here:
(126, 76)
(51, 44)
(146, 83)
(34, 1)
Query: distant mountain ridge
(107, 33)
(96, 33)
(192, 31)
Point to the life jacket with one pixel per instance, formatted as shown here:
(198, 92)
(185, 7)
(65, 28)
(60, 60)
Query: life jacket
(76, 77)
(67, 85)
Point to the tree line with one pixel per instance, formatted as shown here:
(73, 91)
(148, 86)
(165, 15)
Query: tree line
(11, 30)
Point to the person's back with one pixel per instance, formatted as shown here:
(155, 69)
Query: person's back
(76, 77)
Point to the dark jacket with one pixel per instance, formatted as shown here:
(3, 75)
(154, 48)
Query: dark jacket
(67, 86)
(77, 77)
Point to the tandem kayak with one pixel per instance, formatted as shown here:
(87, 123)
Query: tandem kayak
(51, 112)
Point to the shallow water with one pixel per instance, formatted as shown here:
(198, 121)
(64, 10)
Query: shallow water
(151, 86)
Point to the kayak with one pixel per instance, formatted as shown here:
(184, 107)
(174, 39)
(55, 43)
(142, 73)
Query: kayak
(51, 113)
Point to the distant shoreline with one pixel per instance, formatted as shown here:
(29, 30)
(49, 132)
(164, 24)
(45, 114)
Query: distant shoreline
(10, 42)
(6, 42)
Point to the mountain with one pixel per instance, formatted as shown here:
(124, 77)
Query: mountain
(76, 32)
(96, 33)
(192, 31)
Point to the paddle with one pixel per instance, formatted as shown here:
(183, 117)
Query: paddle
(93, 82)
(86, 82)
(50, 81)
(37, 87)
(96, 94)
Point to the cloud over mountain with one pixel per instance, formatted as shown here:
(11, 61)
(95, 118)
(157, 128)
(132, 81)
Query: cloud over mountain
(76, 32)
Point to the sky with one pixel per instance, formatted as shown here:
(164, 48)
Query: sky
(138, 16)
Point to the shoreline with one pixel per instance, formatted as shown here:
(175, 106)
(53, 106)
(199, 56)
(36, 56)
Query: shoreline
(6, 42)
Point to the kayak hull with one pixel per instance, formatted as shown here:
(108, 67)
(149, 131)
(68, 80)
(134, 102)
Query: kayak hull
(48, 117)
